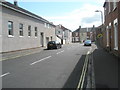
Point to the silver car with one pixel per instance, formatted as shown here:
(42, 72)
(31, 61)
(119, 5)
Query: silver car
(87, 43)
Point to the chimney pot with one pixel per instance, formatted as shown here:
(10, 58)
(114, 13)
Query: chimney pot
(15, 3)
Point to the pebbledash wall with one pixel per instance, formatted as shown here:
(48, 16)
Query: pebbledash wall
(45, 30)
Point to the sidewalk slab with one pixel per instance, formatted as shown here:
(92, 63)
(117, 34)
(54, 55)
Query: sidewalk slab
(105, 69)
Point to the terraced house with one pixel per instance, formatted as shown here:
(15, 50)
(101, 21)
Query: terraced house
(22, 29)
(111, 35)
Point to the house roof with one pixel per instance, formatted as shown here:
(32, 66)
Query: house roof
(23, 11)
(76, 30)
(104, 4)
(82, 30)
(63, 28)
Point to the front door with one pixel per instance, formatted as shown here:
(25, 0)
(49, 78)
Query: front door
(42, 39)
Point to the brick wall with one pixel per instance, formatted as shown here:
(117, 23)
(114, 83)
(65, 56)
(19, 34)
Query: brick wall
(109, 18)
(119, 27)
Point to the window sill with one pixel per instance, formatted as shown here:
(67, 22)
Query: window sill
(10, 36)
(21, 36)
(35, 37)
(29, 36)
(116, 48)
(107, 46)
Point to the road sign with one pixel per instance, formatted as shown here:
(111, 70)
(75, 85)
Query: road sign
(99, 35)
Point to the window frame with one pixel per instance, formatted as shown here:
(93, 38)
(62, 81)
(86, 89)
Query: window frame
(10, 28)
(29, 30)
(20, 29)
(36, 32)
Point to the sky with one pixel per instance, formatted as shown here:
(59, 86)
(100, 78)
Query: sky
(69, 13)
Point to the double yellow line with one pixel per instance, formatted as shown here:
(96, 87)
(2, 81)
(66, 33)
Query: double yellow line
(84, 70)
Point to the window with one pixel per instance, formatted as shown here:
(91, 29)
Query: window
(115, 35)
(59, 32)
(107, 34)
(76, 34)
(114, 4)
(21, 29)
(35, 31)
(10, 28)
(48, 26)
(45, 24)
(109, 6)
(29, 30)
(105, 10)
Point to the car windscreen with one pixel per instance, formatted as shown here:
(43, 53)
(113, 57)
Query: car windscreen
(88, 41)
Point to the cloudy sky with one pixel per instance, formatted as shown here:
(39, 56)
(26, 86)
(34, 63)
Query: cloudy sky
(69, 13)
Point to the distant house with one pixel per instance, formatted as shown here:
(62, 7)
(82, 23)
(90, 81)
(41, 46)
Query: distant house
(22, 29)
(76, 35)
(82, 34)
(63, 34)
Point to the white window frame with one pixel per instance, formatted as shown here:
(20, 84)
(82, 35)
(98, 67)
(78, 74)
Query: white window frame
(20, 29)
(109, 7)
(114, 4)
(116, 34)
(45, 25)
(29, 31)
(107, 36)
(10, 29)
(36, 34)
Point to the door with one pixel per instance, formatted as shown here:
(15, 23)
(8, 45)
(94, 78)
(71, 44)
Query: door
(42, 39)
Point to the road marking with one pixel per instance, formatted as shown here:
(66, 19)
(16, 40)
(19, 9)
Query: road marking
(40, 60)
(84, 70)
(4, 74)
(60, 52)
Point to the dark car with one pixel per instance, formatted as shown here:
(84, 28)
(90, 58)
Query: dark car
(54, 45)
(87, 42)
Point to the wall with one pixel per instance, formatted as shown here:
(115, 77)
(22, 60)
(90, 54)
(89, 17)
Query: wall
(25, 42)
(119, 28)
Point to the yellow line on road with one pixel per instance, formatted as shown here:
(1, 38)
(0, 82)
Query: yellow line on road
(82, 77)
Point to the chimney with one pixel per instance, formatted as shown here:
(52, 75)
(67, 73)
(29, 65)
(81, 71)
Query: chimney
(15, 3)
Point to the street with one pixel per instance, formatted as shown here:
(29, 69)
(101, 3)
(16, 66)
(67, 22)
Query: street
(57, 68)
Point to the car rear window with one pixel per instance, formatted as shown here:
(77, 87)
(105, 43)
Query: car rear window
(52, 42)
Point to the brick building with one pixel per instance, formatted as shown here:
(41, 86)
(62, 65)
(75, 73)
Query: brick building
(111, 30)
(119, 27)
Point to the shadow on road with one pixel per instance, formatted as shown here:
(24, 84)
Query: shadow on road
(73, 79)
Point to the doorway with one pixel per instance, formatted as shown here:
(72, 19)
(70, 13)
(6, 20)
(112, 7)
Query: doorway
(42, 39)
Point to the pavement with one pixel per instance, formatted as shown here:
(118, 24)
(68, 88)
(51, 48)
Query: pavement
(106, 68)
(16, 54)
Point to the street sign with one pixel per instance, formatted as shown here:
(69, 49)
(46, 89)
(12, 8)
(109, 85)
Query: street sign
(99, 35)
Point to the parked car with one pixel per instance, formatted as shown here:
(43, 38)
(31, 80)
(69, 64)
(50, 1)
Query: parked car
(87, 43)
(54, 45)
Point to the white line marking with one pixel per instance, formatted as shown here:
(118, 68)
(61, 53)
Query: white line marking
(60, 52)
(40, 60)
(4, 74)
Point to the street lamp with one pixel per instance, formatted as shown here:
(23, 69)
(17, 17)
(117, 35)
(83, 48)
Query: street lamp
(101, 15)
(101, 39)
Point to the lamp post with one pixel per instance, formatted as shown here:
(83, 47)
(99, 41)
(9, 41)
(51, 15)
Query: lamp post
(101, 39)
(101, 15)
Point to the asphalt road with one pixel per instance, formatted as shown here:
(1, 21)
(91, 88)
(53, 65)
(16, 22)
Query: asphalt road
(59, 68)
